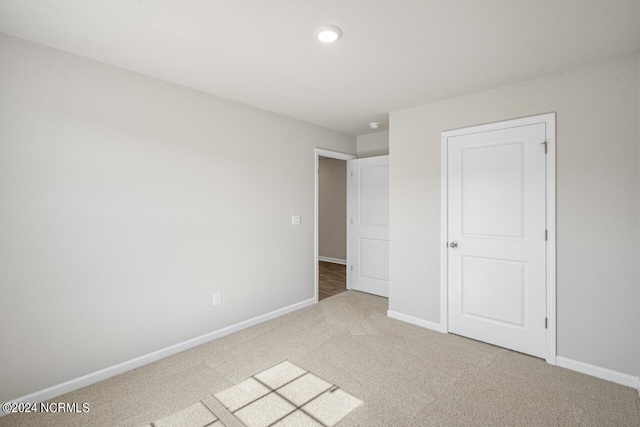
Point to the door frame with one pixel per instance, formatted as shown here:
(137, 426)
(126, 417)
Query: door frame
(549, 120)
(321, 152)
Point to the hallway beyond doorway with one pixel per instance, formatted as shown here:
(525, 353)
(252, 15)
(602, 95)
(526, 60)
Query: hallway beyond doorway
(332, 279)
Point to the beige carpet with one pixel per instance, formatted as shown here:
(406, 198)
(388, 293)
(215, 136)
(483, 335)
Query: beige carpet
(406, 375)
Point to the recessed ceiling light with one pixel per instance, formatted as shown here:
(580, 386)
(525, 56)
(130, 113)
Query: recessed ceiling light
(374, 125)
(328, 33)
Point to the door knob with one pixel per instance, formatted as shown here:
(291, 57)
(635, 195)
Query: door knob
(453, 245)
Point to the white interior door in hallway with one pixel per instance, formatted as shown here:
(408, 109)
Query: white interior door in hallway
(368, 225)
(497, 235)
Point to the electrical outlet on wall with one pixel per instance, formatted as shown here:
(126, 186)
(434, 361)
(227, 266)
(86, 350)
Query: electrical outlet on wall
(217, 299)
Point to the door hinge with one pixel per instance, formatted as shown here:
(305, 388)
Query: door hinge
(546, 323)
(352, 268)
(545, 146)
(351, 220)
(546, 235)
(351, 174)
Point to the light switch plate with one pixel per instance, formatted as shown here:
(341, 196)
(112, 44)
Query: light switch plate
(295, 219)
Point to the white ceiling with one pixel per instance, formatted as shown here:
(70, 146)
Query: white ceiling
(393, 54)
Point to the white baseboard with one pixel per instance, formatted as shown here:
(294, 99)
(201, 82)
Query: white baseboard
(94, 377)
(598, 372)
(415, 321)
(333, 260)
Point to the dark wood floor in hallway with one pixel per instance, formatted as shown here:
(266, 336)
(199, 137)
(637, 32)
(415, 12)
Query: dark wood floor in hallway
(332, 279)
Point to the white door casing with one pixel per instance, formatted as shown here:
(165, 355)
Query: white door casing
(497, 272)
(368, 225)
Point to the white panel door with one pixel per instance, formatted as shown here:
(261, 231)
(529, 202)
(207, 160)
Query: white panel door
(368, 226)
(497, 237)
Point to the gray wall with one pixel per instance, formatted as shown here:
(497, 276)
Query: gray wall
(332, 208)
(598, 288)
(126, 202)
(373, 144)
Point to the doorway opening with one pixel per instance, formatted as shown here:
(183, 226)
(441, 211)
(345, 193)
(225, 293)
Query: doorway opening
(330, 255)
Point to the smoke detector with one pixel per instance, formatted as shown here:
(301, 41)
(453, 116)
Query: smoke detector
(374, 125)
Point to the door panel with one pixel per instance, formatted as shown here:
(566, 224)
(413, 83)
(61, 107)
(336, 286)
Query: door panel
(497, 218)
(368, 227)
(493, 289)
(493, 204)
(371, 251)
(374, 194)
